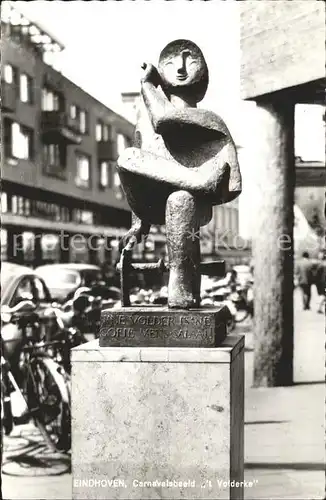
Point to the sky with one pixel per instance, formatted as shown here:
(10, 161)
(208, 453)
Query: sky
(106, 43)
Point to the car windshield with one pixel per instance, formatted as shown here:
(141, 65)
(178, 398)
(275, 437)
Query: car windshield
(60, 277)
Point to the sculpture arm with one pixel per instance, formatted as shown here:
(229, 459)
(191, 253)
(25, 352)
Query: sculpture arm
(205, 179)
(138, 229)
(156, 102)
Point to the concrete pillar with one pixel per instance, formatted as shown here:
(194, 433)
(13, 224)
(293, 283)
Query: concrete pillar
(273, 243)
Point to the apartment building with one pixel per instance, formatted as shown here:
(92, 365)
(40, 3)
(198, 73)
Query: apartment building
(61, 198)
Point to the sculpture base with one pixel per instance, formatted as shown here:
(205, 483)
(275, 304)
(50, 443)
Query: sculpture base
(158, 422)
(162, 327)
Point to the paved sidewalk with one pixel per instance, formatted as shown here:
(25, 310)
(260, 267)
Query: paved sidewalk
(285, 426)
(284, 432)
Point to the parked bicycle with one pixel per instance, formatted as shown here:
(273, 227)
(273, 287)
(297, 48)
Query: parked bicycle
(61, 335)
(34, 386)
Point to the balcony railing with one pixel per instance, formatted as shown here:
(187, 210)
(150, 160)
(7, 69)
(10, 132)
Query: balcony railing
(8, 97)
(106, 150)
(56, 171)
(57, 126)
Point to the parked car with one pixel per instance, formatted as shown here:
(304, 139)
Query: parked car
(19, 283)
(22, 283)
(64, 279)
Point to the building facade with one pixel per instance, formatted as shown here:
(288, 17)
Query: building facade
(61, 198)
(221, 239)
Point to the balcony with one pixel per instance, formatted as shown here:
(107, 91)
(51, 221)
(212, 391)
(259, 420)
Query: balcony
(56, 171)
(106, 150)
(8, 97)
(57, 127)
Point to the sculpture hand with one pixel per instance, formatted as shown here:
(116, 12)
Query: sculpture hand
(133, 236)
(130, 239)
(150, 75)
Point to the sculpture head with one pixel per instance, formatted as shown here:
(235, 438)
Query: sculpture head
(183, 70)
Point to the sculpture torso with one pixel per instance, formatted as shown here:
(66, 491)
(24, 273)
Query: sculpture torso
(183, 161)
(190, 144)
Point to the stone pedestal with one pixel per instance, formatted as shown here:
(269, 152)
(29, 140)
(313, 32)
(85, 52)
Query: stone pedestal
(157, 326)
(154, 423)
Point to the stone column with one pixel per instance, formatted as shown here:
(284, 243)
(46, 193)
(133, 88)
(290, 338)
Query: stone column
(273, 243)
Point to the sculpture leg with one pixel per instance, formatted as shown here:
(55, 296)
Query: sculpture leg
(182, 231)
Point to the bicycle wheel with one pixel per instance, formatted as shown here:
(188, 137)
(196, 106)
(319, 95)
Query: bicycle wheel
(49, 402)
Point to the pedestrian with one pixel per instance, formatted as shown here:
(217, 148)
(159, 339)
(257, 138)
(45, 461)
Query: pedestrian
(320, 283)
(305, 279)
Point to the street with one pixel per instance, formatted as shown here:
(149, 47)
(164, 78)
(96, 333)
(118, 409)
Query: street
(287, 422)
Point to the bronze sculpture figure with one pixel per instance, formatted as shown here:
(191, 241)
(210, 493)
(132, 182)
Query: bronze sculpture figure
(183, 161)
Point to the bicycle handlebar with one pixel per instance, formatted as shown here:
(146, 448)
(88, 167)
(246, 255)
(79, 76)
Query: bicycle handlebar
(24, 306)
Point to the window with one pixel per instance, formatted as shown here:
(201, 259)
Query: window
(73, 112)
(4, 245)
(102, 132)
(14, 204)
(117, 186)
(121, 144)
(83, 171)
(29, 247)
(82, 122)
(25, 88)
(50, 100)
(64, 214)
(21, 141)
(81, 117)
(98, 132)
(4, 203)
(106, 133)
(9, 74)
(52, 154)
(21, 205)
(50, 248)
(54, 160)
(27, 207)
(116, 182)
(105, 174)
(86, 217)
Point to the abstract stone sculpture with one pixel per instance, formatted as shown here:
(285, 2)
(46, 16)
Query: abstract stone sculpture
(183, 162)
